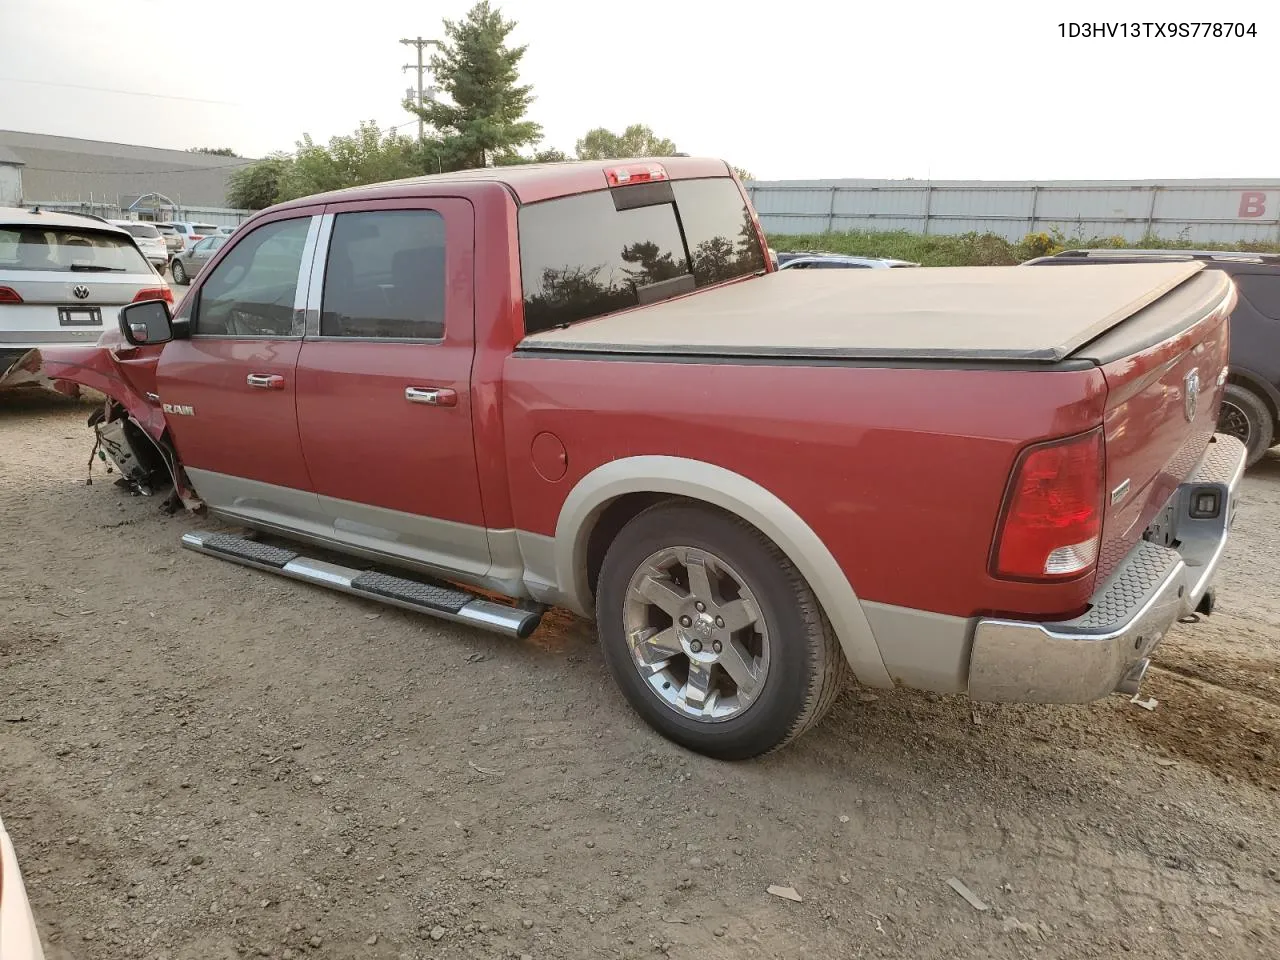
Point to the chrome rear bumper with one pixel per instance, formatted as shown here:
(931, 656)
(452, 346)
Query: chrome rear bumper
(1107, 649)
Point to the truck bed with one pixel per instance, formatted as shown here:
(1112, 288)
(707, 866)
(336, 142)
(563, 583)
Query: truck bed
(989, 314)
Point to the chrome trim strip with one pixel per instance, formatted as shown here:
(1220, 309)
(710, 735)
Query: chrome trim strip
(300, 293)
(315, 278)
(428, 340)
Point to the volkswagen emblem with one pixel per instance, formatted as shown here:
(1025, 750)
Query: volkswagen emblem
(81, 292)
(1191, 395)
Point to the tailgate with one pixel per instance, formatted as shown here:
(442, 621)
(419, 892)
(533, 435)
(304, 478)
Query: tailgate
(1165, 369)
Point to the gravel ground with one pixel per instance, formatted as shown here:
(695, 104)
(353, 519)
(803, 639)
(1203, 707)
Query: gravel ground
(203, 761)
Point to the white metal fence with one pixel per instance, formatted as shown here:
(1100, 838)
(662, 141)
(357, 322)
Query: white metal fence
(1207, 211)
(218, 216)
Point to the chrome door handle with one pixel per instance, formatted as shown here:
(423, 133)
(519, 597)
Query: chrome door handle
(265, 381)
(432, 396)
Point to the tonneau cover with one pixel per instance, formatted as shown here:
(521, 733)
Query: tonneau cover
(943, 313)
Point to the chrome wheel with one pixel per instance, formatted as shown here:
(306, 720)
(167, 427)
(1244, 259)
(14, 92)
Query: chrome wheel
(696, 634)
(1235, 422)
(179, 274)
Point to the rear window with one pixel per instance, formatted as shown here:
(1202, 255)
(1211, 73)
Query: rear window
(165, 228)
(68, 251)
(203, 229)
(142, 230)
(582, 257)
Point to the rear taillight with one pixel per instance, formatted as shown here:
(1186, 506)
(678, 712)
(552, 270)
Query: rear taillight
(9, 295)
(1052, 523)
(154, 293)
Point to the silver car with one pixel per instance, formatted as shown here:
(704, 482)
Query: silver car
(837, 261)
(63, 277)
(188, 264)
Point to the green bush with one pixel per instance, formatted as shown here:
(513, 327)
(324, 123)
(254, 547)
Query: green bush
(979, 249)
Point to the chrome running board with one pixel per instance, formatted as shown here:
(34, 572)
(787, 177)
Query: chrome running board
(445, 602)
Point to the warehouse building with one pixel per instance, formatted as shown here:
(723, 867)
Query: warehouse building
(114, 179)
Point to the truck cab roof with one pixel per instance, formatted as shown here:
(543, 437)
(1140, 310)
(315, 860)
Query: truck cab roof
(528, 183)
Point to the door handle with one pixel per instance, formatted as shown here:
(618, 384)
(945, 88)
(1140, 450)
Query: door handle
(265, 381)
(432, 396)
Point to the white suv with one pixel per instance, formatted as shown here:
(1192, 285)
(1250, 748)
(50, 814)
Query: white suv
(192, 232)
(148, 240)
(63, 276)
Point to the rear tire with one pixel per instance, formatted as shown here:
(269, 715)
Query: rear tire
(1245, 416)
(776, 668)
(179, 274)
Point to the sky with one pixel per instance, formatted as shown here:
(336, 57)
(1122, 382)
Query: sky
(825, 89)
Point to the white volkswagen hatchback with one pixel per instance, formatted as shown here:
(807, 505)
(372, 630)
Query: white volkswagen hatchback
(62, 277)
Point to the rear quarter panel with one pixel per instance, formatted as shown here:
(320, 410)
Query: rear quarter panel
(901, 472)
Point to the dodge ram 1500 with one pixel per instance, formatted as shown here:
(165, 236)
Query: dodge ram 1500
(586, 385)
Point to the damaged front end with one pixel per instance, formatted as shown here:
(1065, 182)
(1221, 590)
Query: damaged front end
(130, 433)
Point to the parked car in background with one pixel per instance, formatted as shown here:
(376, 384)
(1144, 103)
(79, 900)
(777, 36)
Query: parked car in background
(149, 241)
(584, 385)
(19, 939)
(829, 261)
(62, 277)
(226, 229)
(187, 265)
(192, 233)
(172, 238)
(1251, 403)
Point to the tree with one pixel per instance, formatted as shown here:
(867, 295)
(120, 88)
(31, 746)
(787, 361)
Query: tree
(364, 157)
(549, 155)
(635, 141)
(484, 120)
(743, 174)
(214, 151)
(258, 186)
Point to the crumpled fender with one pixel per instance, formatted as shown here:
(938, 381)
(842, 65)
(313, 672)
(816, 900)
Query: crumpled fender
(65, 369)
(94, 367)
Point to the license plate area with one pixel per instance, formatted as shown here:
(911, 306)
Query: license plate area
(1163, 529)
(79, 316)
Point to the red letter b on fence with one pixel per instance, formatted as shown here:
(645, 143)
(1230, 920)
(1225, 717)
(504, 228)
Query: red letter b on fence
(1252, 204)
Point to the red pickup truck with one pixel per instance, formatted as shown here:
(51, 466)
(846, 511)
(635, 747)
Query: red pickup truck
(586, 386)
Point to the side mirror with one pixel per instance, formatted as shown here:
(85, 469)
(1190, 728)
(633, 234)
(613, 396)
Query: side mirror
(146, 322)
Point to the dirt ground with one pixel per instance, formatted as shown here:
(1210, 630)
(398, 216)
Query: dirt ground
(202, 761)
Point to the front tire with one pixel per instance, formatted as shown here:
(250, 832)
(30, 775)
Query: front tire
(1245, 416)
(714, 637)
(179, 274)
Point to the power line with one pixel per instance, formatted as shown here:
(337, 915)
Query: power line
(128, 93)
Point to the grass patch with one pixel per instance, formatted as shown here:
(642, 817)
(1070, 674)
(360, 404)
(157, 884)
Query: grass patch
(979, 249)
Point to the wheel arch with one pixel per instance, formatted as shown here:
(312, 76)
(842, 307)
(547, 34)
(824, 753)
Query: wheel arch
(607, 497)
(1260, 388)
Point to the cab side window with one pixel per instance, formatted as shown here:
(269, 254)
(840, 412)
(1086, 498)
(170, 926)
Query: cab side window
(252, 290)
(385, 276)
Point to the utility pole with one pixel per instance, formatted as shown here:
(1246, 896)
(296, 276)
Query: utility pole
(420, 67)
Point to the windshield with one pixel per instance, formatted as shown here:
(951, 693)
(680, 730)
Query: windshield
(67, 250)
